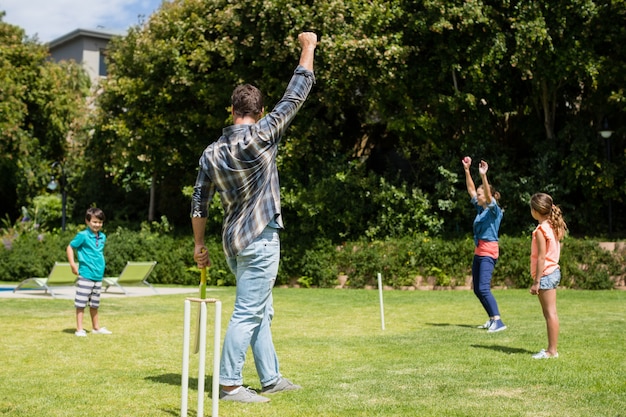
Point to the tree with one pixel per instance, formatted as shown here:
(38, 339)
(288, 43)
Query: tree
(40, 103)
(404, 90)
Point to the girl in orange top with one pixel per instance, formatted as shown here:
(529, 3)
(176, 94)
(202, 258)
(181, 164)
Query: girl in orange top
(544, 264)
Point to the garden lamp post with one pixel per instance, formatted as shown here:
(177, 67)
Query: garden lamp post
(606, 133)
(53, 185)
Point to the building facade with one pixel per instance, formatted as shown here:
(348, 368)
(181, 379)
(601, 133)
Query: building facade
(84, 46)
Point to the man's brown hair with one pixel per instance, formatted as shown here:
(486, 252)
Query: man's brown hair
(247, 100)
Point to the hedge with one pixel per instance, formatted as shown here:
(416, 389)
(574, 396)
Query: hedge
(447, 263)
(402, 263)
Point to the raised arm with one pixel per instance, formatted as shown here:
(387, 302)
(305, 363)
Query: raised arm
(308, 43)
(483, 167)
(469, 182)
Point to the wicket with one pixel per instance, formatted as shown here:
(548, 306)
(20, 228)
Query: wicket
(201, 355)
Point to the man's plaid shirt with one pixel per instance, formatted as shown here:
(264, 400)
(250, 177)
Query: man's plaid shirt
(241, 166)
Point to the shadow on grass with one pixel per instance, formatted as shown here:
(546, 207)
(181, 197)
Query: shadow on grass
(504, 349)
(467, 326)
(175, 379)
(172, 411)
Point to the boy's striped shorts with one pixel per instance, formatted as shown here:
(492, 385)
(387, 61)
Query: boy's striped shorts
(87, 291)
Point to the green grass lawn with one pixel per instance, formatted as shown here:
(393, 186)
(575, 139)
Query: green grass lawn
(429, 361)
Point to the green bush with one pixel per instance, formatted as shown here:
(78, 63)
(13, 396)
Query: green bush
(173, 254)
(31, 254)
(583, 263)
(444, 262)
(319, 266)
(513, 267)
(586, 266)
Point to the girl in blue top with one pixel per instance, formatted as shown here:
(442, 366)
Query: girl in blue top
(486, 227)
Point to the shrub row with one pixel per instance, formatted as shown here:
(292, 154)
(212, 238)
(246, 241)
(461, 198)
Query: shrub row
(401, 262)
(447, 263)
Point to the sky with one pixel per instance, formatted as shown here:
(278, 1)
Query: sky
(50, 19)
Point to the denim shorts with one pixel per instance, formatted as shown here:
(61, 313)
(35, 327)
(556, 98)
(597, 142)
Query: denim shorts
(550, 281)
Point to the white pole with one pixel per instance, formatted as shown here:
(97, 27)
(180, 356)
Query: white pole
(201, 359)
(201, 339)
(216, 359)
(380, 296)
(185, 372)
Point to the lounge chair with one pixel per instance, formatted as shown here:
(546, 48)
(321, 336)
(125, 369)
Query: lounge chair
(133, 273)
(60, 276)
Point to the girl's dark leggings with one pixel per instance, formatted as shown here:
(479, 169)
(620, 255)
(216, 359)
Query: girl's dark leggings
(482, 270)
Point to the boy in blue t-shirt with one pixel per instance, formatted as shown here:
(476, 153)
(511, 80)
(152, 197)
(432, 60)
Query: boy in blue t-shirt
(89, 248)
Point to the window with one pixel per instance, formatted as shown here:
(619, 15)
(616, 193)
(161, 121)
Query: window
(102, 69)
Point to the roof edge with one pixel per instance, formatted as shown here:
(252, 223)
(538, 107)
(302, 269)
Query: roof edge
(94, 33)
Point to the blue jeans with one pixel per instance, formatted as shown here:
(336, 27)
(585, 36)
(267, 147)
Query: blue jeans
(255, 268)
(482, 269)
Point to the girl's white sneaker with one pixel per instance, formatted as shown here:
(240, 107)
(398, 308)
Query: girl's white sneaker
(542, 354)
(101, 330)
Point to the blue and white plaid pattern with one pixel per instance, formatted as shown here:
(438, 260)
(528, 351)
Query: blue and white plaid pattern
(241, 166)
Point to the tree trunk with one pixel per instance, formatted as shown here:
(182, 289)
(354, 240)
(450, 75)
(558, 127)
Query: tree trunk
(548, 104)
(152, 198)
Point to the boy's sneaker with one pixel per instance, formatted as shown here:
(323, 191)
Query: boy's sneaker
(80, 333)
(283, 384)
(243, 395)
(486, 325)
(101, 330)
(496, 326)
(542, 354)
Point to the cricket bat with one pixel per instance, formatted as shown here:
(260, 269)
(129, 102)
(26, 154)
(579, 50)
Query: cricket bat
(202, 296)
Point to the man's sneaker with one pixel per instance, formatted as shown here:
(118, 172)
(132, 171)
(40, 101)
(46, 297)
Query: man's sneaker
(101, 330)
(80, 333)
(486, 325)
(243, 395)
(545, 355)
(283, 384)
(496, 326)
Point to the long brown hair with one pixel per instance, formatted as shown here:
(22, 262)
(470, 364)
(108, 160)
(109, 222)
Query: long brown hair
(543, 204)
